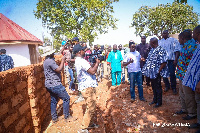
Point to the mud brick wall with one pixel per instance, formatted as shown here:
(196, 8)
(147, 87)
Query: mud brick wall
(24, 101)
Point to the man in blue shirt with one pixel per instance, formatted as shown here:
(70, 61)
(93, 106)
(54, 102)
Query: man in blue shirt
(115, 63)
(6, 61)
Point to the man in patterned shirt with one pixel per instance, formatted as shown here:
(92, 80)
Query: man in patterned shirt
(192, 76)
(6, 61)
(172, 47)
(86, 85)
(155, 67)
(187, 97)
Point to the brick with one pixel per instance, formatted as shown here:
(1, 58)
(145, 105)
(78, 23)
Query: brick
(24, 107)
(27, 129)
(8, 92)
(16, 100)
(42, 100)
(20, 124)
(10, 119)
(33, 102)
(34, 111)
(20, 86)
(39, 85)
(4, 109)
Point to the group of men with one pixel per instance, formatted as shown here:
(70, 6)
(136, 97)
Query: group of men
(165, 58)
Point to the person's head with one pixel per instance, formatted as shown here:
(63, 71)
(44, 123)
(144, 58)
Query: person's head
(109, 48)
(114, 47)
(2, 51)
(50, 55)
(181, 38)
(75, 40)
(132, 46)
(143, 39)
(165, 34)
(196, 33)
(120, 47)
(78, 50)
(187, 35)
(95, 47)
(154, 42)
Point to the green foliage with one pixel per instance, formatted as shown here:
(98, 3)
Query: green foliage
(83, 18)
(181, 1)
(126, 45)
(174, 17)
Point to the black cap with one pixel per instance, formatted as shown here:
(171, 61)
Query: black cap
(78, 48)
(75, 39)
(3, 51)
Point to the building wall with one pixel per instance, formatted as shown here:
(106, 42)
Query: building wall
(19, 53)
(24, 100)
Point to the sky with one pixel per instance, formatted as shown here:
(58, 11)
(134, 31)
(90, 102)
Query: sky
(22, 13)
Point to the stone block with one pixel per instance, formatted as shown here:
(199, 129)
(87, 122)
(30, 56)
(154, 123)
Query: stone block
(4, 109)
(20, 86)
(7, 92)
(20, 124)
(27, 129)
(10, 119)
(24, 107)
(16, 100)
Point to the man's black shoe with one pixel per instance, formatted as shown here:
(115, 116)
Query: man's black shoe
(189, 117)
(194, 125)
(174, 91)
(142, 99)
(157, 105)
(132, 100)
(166, 89)
(93, 126)
(180, 112)
(152, 103)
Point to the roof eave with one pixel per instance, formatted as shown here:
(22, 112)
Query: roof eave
(3, 42)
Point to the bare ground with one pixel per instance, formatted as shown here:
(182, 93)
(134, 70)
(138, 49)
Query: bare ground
(116, 113)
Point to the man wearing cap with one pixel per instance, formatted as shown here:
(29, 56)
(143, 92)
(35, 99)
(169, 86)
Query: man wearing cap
(6, 61)
(86, 85)
(54, 86)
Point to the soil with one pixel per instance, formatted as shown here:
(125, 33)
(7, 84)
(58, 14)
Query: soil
(116, 113)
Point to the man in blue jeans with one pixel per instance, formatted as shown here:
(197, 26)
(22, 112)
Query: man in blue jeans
(132, 61)
(54, 86)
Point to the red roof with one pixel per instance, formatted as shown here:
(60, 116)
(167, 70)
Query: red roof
(10, 31)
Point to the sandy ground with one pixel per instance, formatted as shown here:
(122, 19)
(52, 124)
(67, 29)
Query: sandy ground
(116, 113)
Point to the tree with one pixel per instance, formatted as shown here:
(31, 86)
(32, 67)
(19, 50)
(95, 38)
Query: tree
(181, 1)
(174, 17)
(83, 18)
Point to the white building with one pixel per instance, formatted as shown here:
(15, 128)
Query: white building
(19, 43)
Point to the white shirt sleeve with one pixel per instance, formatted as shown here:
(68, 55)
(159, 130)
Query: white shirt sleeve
(125, 58)
(85, 65)
(177, 45)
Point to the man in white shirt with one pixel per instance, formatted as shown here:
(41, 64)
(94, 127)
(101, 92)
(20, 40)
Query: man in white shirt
(172, 47)
(86, 85)
(132, 61)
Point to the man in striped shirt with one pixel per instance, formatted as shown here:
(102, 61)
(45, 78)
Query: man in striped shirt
(192, 76)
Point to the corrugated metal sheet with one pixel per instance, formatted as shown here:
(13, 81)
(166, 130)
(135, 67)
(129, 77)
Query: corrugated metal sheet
(10, 31)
